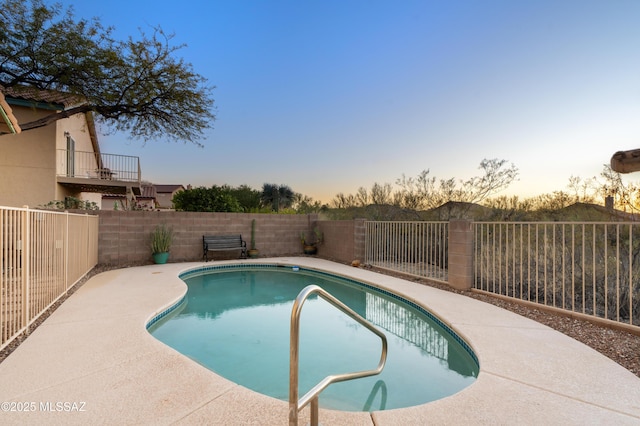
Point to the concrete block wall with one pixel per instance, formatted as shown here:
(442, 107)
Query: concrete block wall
(359, 234)
(343, 240)
(461, 254)
(124, 236)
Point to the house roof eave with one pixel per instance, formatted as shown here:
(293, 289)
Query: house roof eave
(8, 119)
(92, 132)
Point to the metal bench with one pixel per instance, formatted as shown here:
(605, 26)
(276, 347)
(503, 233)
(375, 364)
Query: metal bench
(212, 243)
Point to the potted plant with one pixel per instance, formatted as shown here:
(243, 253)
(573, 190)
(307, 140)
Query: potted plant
(253, 251)
(309, 247)
(161, 239)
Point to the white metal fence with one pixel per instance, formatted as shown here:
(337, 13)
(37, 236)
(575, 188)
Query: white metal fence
(589, 268)
(43, 254)
(415, 248)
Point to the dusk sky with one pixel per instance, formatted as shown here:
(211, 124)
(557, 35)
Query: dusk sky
(328, 96)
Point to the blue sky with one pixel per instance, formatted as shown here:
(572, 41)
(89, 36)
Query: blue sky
(328, 96)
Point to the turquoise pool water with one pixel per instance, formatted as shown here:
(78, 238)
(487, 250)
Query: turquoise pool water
(235, 321)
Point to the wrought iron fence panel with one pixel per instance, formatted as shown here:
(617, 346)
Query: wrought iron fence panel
(592, 268)
(415, 248)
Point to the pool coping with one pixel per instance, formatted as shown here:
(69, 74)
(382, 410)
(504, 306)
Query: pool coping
(94, 353)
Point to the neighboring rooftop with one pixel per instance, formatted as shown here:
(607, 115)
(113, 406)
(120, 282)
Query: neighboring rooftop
(168, 188)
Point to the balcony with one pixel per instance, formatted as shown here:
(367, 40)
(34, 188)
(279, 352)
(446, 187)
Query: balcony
(97, 172)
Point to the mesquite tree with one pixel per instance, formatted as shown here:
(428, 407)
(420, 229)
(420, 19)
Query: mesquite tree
(137, 85)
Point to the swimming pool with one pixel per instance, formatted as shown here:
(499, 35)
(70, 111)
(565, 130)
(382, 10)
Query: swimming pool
(235, 321)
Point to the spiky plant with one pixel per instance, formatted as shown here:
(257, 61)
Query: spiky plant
(161, 239)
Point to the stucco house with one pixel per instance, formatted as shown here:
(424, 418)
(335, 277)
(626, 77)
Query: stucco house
(164, 195)
(57, 161)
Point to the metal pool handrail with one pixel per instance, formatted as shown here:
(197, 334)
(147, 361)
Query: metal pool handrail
(295, 404)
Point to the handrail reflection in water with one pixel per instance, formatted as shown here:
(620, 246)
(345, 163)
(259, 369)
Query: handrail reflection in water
(295, 404)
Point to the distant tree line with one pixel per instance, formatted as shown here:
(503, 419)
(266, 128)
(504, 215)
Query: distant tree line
(272, 198)
(425, 197)
(424, 192)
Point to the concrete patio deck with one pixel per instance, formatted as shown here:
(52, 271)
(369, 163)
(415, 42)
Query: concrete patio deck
(94, 354)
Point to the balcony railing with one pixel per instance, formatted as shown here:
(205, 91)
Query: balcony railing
(91, 165)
